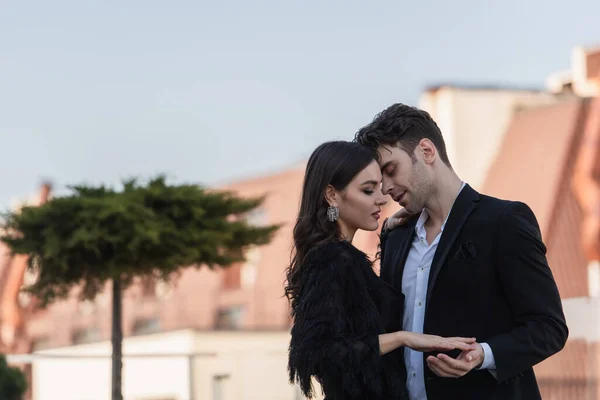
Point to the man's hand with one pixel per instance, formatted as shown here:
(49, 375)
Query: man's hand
(396, 220)
(448, 367)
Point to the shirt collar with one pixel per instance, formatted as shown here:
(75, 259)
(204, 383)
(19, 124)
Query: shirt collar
(420, 227)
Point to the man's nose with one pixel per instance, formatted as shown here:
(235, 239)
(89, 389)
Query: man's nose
(385, 187)
(382, 201)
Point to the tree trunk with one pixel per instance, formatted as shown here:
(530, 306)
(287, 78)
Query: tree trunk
(117, 341)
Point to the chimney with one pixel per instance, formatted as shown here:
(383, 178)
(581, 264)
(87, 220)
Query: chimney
(583, 79)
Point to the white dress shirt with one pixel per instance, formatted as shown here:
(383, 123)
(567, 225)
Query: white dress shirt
(415, 280)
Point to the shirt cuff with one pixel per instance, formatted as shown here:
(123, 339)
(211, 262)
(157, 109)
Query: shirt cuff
(488, 357)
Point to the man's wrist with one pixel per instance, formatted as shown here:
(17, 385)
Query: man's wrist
(488, 361)
(481, 358)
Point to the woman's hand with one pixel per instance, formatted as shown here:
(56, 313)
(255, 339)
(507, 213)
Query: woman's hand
(425, 343)
(396, 220)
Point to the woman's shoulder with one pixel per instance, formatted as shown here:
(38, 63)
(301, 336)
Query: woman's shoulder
(339, 251)
(336, 258)
(332, 269)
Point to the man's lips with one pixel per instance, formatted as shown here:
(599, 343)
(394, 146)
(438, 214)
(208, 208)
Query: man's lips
(399, 197)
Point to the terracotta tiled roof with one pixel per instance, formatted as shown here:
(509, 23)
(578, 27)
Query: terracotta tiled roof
(481, 87)
(572, 374)
(533, 157)
(535, 165)
(565, 251)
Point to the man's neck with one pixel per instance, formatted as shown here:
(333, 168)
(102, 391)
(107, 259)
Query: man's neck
(439, 205)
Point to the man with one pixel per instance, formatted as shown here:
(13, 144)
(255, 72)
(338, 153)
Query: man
(468, 264)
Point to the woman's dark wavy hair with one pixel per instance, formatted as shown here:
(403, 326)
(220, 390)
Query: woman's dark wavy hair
(332, 163)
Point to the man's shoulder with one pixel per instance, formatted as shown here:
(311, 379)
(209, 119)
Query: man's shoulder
(496, 209)
(495, 204)
(493, 201)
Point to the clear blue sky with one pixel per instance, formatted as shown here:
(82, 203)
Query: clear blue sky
(95, 91)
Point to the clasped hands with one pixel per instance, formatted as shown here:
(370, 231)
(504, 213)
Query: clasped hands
(447, 367)
(471, 356)
(443, 365)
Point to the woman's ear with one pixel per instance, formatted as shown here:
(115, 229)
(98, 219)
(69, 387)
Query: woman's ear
(331, 195)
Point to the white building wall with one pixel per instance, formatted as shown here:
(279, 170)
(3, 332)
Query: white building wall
(474, 121)
(228, 366)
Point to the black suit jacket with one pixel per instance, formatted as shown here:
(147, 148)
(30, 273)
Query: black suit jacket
(489, 279)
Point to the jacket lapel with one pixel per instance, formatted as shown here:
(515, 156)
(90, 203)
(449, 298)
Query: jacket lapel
(463, 206)
(405, 235)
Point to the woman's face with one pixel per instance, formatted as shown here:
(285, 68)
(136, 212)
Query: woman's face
(360, 202)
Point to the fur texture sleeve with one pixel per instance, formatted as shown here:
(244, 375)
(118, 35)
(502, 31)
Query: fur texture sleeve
(334, 336)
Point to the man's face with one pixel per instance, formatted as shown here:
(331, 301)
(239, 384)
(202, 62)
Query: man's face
(405, 178)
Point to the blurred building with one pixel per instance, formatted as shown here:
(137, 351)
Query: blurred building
(582, 78)
(473, 120)
(530, 145)
(177, 365)
(550, 159)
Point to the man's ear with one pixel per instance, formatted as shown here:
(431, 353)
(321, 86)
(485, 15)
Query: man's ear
(428, 150)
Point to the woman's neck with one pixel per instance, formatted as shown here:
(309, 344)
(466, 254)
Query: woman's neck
(346, 232)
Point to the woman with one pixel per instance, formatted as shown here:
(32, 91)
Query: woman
(347, 322)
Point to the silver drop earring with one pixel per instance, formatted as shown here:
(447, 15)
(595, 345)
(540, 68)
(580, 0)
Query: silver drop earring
(333, 213)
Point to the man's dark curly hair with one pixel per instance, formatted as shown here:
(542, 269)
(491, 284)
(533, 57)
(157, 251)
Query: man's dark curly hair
(402, 126)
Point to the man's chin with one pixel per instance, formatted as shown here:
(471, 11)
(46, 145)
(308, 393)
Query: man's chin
(411, 209)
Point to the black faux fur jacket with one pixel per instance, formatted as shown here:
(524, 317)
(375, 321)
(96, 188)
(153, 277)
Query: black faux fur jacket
(341, 309)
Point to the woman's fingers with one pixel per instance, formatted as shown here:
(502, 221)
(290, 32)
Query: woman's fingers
(402, 213)
(397, 219)
(445, 345)
(465, 346)
(463, 339)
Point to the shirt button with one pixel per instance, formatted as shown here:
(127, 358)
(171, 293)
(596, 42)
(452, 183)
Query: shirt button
(419, 304)
(414, 374)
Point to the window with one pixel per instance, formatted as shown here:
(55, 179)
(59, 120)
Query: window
(249, 269)
(29, 278)
(231, 278)
(242, 275)
(230, 318)
(41, 343)
(86, 335)
(86, 307)
(146, 326)
(148, 287)
(594, 278)
(163, 290)
(257, 217)
(219, 386)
